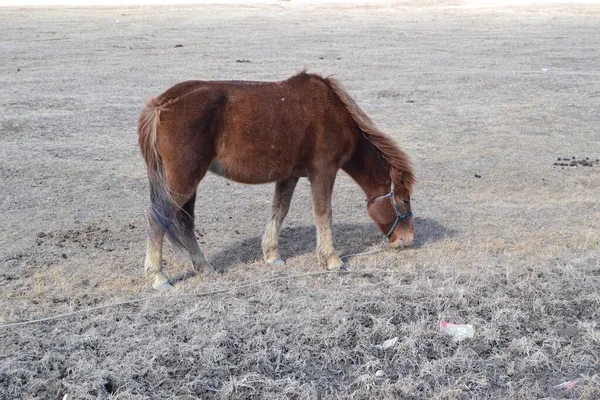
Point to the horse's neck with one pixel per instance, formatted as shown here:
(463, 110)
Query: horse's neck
(368, 169)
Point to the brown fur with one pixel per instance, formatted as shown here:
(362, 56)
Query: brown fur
(260, 132)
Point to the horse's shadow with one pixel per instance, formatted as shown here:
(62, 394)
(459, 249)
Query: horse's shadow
(349, 238)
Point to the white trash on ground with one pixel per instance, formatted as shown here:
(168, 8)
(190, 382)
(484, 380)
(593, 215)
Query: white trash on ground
(456, 331)
(388, 344)
(566, 385)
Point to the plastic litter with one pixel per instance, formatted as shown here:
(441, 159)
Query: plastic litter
(388, 344)
(457, 332)
(566, 385)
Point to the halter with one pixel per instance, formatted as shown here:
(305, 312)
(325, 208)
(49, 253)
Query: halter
(399, 215)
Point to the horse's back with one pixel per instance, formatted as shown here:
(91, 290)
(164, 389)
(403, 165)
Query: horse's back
(258, 132)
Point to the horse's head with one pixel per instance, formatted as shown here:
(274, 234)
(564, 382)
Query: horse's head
(391, 212)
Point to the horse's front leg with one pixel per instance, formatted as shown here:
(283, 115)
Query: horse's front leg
(281, 204)
(153, 263)
(321, 189)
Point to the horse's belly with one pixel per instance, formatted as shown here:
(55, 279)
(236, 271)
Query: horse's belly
(251, 172)
(217, 168)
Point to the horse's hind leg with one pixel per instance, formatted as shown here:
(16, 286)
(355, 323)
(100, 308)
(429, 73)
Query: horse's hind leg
(153, 263)
(281, 204)
(186, 216)
(321, 189)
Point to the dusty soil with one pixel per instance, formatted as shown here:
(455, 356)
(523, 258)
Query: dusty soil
(484, 98)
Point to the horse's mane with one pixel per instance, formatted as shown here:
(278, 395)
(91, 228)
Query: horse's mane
(401, 170)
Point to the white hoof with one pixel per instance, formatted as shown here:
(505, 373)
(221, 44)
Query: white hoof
(279, 261)
(162, 286)
(336, 265)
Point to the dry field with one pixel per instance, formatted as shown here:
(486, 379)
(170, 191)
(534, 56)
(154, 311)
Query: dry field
(485, 99)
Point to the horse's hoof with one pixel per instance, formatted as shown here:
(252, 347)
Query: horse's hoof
(208, 270)
(275, 261)
(336, 265)
(162, 286)
(204, 268)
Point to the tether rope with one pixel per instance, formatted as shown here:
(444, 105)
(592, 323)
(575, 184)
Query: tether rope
(201, 294)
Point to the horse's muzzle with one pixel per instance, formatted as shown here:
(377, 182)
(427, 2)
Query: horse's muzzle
(403, 241)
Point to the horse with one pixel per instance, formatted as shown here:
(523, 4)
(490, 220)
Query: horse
(265, 132)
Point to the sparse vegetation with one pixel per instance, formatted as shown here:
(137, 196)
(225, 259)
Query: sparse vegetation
(506, 240)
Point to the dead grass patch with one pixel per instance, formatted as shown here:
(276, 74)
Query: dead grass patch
(484, 102)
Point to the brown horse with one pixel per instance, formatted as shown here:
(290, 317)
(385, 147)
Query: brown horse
(260, 132)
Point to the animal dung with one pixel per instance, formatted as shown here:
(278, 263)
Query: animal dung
(574, 162)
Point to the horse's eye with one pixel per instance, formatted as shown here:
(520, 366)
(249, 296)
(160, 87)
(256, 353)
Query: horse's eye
(407, 202)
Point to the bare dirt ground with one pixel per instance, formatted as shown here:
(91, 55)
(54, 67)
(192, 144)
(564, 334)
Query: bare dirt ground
(488, 100)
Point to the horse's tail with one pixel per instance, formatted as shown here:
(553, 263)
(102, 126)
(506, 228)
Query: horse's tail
(164, 210)
(401, 170)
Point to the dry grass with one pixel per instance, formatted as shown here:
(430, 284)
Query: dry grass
(515, 252)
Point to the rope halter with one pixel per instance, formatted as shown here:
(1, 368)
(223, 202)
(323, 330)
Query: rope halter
(399, 215)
